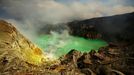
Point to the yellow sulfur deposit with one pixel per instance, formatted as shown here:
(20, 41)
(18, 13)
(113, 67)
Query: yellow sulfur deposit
(15, 45)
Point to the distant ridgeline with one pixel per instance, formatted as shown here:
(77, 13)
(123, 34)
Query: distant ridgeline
(111, 28)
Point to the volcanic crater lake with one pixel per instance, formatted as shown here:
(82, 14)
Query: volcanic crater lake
(59, 44)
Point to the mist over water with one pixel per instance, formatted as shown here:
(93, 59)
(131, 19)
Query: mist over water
(60, 44)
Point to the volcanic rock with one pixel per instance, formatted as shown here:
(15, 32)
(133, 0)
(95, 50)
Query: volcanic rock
(18, 55)
(110, 28)
(15, 44)
(108, 60)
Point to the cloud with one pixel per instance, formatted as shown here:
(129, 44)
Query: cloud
(34, 14)
(55, 12)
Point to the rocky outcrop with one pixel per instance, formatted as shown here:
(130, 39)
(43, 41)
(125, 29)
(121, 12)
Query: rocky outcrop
(110, 60)
(18, 55)
(15, 44)
(111, 28)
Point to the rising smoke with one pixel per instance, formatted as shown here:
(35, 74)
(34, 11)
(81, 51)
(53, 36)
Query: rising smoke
(31, 15)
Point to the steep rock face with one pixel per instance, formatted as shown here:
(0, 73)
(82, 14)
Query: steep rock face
(112, 28)
(15, 47)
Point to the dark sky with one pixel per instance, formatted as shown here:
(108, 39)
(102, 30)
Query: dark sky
(14, 8)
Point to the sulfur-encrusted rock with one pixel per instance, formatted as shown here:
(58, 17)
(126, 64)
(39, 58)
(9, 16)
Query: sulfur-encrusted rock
(17, 53)
(13, 44)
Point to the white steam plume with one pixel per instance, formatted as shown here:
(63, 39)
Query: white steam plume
(31, 15)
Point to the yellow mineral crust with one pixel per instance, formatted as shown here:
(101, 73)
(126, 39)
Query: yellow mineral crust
(16, 45)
